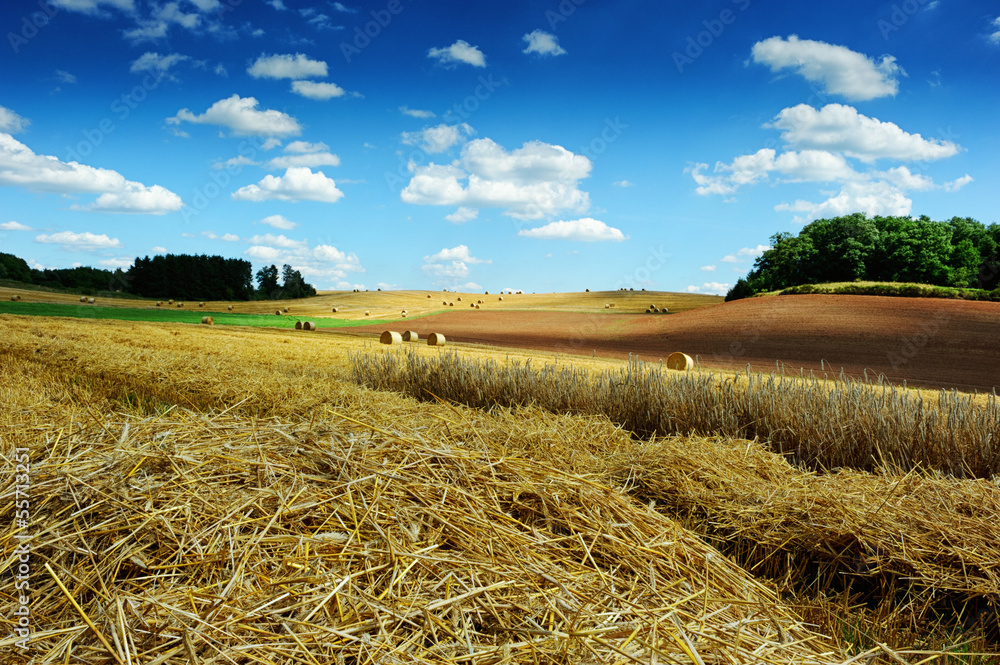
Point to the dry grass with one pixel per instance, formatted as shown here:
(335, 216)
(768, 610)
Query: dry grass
(824, 425)
(231, 511)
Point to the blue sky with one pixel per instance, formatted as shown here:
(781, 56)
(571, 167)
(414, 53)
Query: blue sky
(544, 146)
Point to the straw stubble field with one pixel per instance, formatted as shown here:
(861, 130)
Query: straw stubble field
(231, 496)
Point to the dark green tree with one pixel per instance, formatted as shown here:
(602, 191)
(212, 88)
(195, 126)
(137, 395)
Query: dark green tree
(267, 281)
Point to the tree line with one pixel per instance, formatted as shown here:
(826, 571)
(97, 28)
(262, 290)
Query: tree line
(960, 252)
(179, 276)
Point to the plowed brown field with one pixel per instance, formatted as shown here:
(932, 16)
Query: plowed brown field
(925, 342)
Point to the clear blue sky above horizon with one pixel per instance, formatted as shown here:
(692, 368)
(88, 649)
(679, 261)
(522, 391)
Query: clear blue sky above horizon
(543, 146)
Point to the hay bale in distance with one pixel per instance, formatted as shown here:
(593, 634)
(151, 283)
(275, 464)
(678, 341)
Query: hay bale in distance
(230, 308)
(335, 310)
(477, 306)
(428, 295)
(298, 325)
(368, 313)
(500, 298)
(681, 361)
(444, 302)
(410, 336)
(607, 306)
(588, 291)
(180, 304)
(451, 304)
(308, 325)
(15, 298)
(286, 309)
(82, 298)
(649, 311)
(277, 312)
(391, 337)
(208, 320)
(89, 300)
(201, 304)
(459, 299)
(472, 304)
(159, 303)
(435, 339)
(170, 302)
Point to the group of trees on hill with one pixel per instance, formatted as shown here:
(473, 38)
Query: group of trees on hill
(180, 276)
(960, 252)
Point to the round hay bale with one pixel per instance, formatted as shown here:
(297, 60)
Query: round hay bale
(435, 339)
(201, 304)
(459, 300)
(170, 302)
(159, 303)
(410, 336)
(487, 293)
(286, 309)
(607, 306)
(652, 306)
(500, 298)
(656, 310)
(15, 298)
(277, 312)
(368, 313)
(230, 308)
(451, 304)
(89, 300)
(444, 302)
(83, 299)
(477, 306)
(208, 320)
(472, 304)
(391, 337)
(664, 310)
(403, 315)
(335, 310)
(681, 361)
(180, 304)
(649, 311)
(428, 295)
(308, 325)
(298, 325)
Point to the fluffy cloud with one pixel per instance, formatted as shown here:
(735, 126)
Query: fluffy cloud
(450, 265)
(744, 254)
(415, 113)
(462, 215)
(839, 70)
(278, 222)
(710, 288)
(542, 43)
(319, 91)
(14, 226)
(586, 229)
(154, 62)
(459, 52)
(286, 66)
(234, 163)
(310, 159)
(242, 117)
(532, 181)
(994, 36)
(319, 262)
(11, 122)
(708, 268)
(841, 128)
(20, 166)
(958, 183)
(873, 198)
(79, 242)
(93, 6)
(804, 166)
(298, 184)
(623, 183)
(439, 138)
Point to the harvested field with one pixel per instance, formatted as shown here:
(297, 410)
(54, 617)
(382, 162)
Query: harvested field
(932, 343)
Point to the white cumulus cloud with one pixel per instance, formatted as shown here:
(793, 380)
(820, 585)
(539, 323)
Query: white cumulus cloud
(317, 90)
(11, 122)
(14, 226)
(286, 66)
(79, 242)
(462, 215)
(154, 62)
(279, 222)
(439, 138)
(841, 128)
(710, 288)
(416, 113)
(530, 182)
(298, 184)
(459, 52)
(586, 229)
(450, 264)
(322, 265)
(21, 167)
(542, 43)
(838, 69)
(242, 117)
(872, 198)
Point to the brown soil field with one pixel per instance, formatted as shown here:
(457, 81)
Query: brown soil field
(924, 342)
